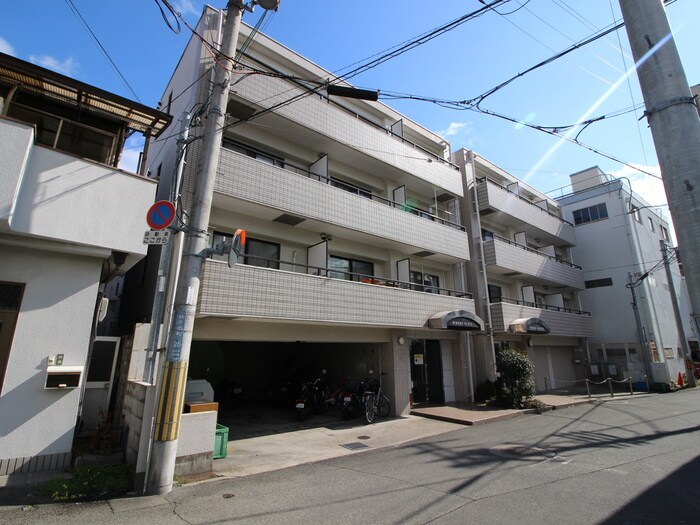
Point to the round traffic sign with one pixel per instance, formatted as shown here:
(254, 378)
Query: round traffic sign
(161, 215)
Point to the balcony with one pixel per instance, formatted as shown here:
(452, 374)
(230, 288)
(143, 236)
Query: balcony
(501, 204)
(376, 220)
(353, 136)
(59, 197)
(506, 257)
(561, 321)
(264, 293)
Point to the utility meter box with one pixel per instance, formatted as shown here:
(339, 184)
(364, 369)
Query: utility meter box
(198, 390)
(63, 376)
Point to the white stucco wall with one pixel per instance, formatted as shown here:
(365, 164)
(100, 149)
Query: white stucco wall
(15, 142)
(55, 317)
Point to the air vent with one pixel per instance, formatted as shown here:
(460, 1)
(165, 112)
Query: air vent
(424, 253)
(291, 220)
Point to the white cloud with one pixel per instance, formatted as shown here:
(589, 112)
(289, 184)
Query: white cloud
(649, 189)
(129, 160)
(68, 67)
(453, 129)
(6, 47)
(645, 186)
(185, 7)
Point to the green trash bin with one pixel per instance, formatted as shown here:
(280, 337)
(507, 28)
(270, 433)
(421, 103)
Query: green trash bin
(220, 442)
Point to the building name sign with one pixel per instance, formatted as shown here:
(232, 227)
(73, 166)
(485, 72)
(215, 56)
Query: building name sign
(462, 323)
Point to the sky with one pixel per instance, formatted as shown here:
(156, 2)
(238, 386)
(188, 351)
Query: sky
(458, 65)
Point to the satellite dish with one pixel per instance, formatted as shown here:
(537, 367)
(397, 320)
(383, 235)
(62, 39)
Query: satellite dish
(270, 5)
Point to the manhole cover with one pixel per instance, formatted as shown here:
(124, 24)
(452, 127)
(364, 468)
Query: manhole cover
(525, 452)
(362, 437)
(354, 446)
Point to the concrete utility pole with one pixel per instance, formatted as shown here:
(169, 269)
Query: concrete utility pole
(675, 126)
(174, 369)
(677, 312)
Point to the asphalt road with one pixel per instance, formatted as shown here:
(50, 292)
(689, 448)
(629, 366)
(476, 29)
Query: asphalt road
(628, 461)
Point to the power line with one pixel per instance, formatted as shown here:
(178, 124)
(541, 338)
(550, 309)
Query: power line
(84, 23)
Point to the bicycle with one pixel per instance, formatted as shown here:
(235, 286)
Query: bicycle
(375, 402)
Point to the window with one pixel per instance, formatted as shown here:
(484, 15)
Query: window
(637, 215)
(599, 283)
(664, 233)
(10, 300)
(594, 213)
(337, 183)
(268, 254)
(425, 282)
(651, 224)
(486, 235)
(253, 153)
(349, 269)
(494, 293)
(221, 240)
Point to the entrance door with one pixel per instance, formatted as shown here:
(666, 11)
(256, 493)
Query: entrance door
(426, 372)
(98, 383)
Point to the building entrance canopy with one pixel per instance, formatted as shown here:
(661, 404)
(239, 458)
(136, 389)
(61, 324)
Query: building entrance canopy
(456, 320)
(528, 325)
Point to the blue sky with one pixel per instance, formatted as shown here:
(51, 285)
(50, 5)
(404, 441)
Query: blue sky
(459, 65)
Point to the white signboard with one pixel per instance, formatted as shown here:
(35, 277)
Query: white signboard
(156, 237)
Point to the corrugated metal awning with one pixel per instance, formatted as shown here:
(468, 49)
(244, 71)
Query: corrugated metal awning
(456, 320)
(528, 325)
(37, 80)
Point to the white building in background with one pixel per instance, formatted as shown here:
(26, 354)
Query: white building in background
(618, 242)
(69, 219)
(524, 274)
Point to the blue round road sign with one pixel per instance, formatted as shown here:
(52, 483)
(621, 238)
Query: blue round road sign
(161, 215)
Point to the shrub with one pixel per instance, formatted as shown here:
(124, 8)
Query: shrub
(517, 378)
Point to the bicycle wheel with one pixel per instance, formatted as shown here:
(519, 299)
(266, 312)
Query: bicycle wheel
(370, 409)
(383, 407)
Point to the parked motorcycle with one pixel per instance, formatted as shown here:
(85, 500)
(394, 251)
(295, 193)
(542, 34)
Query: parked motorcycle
(355, 398)
(314, 396)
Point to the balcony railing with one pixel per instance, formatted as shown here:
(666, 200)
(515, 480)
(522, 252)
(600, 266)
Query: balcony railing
(486, 179)
(324, 271)
(361, 192)
(252, 292)
(564, 322)
(363, 119)
(303, 195)
(532, 250)
(541, 306)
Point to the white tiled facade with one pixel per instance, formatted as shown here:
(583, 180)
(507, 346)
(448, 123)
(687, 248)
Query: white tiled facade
(523, 242)
(325, 187)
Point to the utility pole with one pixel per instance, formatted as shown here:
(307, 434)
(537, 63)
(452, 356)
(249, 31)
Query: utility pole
(174, 369)
(632, 283)
(677, 312)
(675, 126)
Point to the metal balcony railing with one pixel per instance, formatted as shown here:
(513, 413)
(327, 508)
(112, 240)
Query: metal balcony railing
(541, 306)
(491, 181)
(361, 192)
(532, 250)
(334, 273)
